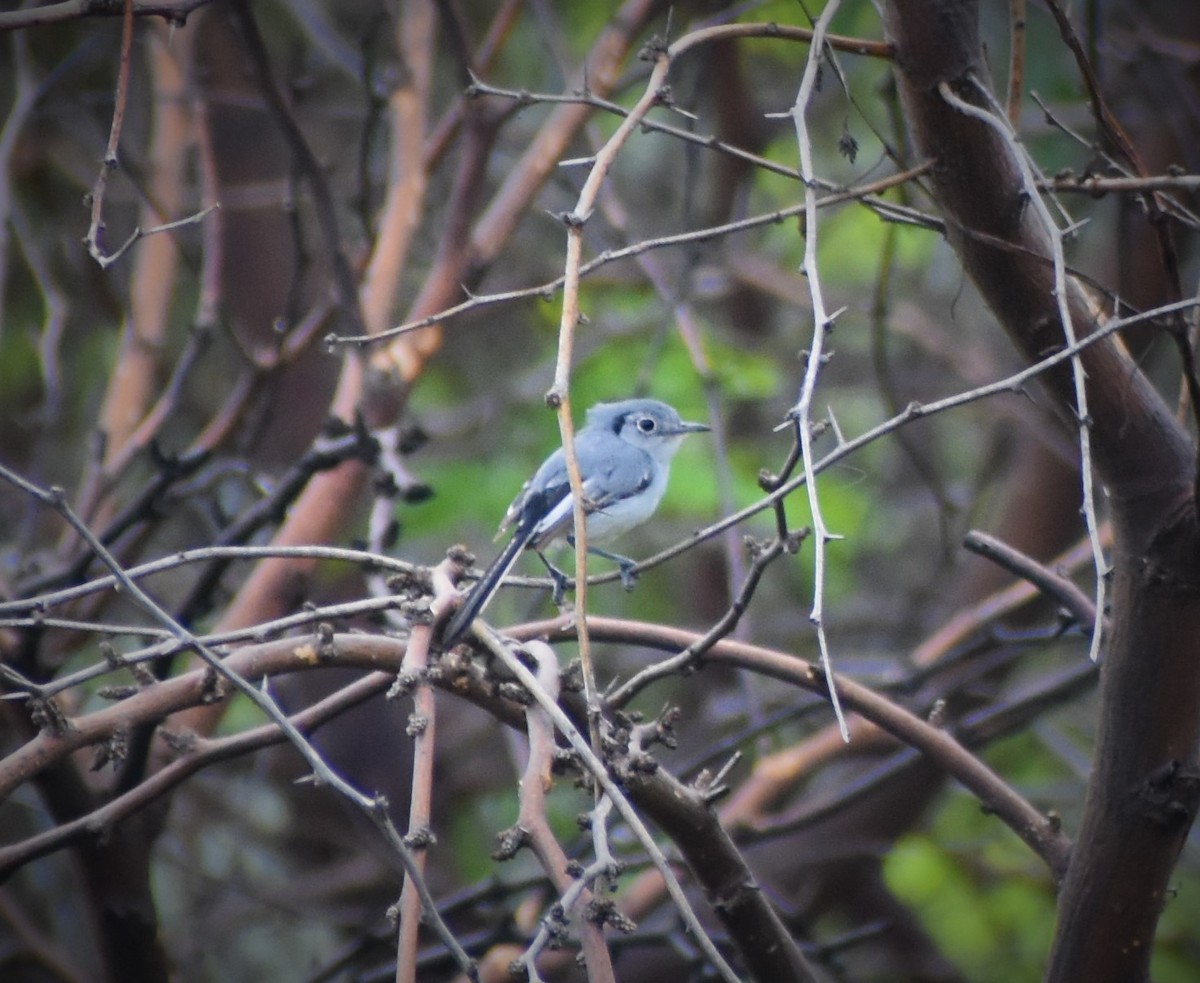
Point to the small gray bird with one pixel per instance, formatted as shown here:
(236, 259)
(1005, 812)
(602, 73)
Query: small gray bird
(624, 452)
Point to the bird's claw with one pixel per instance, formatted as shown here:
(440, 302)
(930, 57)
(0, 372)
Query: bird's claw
(561, 580)
(629, 575)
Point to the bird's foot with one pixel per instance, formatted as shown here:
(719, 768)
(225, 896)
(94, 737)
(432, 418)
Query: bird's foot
(626, 566)
(629, 574)
(561, 583)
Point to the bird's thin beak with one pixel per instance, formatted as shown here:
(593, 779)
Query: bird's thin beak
(686, 427)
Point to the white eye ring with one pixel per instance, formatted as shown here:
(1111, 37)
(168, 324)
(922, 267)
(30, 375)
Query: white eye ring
(646, 424)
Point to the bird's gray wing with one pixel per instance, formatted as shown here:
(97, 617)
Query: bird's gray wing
(611, 468)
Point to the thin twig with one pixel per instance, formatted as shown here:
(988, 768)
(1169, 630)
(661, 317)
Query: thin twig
(559, 394)
(415, 671)
(203, 554)
(171, 646)
(109, 163)
(1016, 59)
(691, 655)
(822, 322)
(544, 291)
(1058, 588)
(1062, 297)
(306, 162)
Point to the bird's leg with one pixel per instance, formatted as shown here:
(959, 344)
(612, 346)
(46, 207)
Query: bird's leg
(624, 564)
(561, 580)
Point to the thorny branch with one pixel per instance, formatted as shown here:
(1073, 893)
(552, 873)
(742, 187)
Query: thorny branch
(582, 747)
(822, 324)
(1041, 834)
(533, 829)
(997, 122)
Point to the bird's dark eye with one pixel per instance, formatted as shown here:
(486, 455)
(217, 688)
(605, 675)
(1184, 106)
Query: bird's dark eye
(646, 424)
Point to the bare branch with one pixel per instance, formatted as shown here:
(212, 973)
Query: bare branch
(174, 13)
(581, 746)
(822, 323)
(1041, 834)
(1078, 375)
(1054, 586)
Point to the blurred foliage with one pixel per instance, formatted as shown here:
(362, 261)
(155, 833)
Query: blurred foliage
(994, 929)
(995, 932)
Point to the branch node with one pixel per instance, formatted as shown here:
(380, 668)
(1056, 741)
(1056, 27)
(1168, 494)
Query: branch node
(511, 842)
(420, 839)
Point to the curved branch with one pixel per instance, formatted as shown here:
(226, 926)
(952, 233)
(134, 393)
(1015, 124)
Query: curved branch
(1040, 833)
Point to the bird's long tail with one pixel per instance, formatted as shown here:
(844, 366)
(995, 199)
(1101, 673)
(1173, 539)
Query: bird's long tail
(473, 604)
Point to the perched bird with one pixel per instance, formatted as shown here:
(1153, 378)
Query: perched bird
(624, 452)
